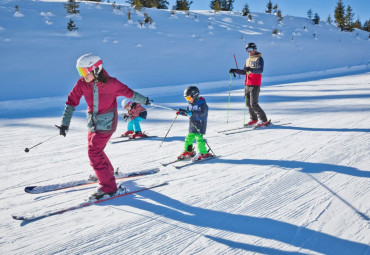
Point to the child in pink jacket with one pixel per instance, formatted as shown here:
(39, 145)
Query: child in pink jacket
(136, 113)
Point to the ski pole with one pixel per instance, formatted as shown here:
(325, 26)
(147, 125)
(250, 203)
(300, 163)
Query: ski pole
(164, 138)
(196, 128)
(164, 107)
(245, 99)
(28, 149)
(236, 63)
(228, 103)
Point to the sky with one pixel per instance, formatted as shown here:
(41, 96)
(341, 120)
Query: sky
(297, 8)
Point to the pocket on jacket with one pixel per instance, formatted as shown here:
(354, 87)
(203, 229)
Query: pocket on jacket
(105, 121)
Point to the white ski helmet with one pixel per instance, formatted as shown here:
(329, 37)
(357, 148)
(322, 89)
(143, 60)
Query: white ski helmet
(126, 102)
(89, 63)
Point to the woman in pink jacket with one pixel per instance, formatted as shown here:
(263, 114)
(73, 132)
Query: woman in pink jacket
(100, 92)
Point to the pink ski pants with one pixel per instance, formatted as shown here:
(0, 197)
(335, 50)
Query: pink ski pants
(100, 162)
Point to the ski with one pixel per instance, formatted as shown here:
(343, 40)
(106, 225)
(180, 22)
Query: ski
(196, 162)
(233, 129)
(245, 127)
(92, 180)
(174, 161)
(256, 128)
(82, 205)
(126, 139)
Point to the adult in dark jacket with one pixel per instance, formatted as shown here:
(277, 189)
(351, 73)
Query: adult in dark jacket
(252, 70)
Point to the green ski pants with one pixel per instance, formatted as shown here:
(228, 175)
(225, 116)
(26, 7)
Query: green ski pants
(200, 142)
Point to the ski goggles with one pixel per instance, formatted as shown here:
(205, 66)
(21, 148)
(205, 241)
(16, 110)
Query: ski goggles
(249, 49)
(83, 71)
(188, 98)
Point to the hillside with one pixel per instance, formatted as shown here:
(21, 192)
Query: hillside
(300, 186)
(38, 53)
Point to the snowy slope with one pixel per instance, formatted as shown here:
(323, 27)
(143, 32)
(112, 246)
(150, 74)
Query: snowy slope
(298, 188)
(38, 55)
(301, 188)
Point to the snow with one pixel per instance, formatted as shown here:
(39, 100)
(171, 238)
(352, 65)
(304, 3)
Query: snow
(298, 188)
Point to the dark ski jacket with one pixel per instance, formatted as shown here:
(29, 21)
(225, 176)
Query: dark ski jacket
(199, 117)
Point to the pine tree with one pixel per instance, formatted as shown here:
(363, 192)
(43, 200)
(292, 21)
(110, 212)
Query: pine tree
(280, 16)
(222, 5)
(349, 19)
(72, 7)
(160, 4)
(329, 20)
(71, 26)
(245, 10)
(275, 8)
(309, 14)
(316, 19)
(357, 24)
(339, 18)
(269, 7)
(182, 5)
(366, 26)
(136, 4)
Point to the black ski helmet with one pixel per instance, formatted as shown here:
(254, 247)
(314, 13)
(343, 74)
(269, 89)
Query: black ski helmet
(251, 46)
(191, 91)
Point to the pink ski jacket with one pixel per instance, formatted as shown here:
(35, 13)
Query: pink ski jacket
(101, 103)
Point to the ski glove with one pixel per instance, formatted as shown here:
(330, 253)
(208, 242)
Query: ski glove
(62, 130)
(232, 71)
(182, 112)
(125, 116)
(148, 102)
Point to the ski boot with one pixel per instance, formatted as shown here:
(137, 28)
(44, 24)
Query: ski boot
(200, 156)
(186, 154)
(99, 194)
(138, 134)
(250, 123)
(262, 124)
(127, 133)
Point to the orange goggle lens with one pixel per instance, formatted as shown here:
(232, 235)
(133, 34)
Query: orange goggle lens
(83, 71)
(188, 98)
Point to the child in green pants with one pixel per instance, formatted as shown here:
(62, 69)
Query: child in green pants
(197, 110)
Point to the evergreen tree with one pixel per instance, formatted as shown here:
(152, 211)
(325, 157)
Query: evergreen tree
(329, 20)
(275, 8)
(366, 26)
(309, 14)
(269, 7)
(222, 5)
(72, 7)
(316, 19)
(349, 19)
(182, 5)
(339, 18)
(71, 26)
(160, 4)
(136, 4)
(280, 16)
(245, 10)
(357, 24)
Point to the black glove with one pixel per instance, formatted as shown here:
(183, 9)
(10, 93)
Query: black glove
(125, 116)
(248, 69)
(232, 71)
(148, 102)
(182, 112)
(62, 130)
